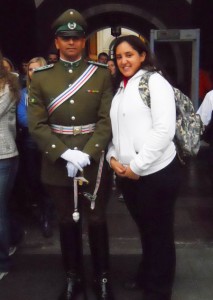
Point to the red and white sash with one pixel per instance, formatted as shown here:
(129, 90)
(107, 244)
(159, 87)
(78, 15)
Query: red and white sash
(55, 103)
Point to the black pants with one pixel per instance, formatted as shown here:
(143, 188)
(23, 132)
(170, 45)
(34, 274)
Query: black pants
(30, 160)
(151, 202)
(71, 231)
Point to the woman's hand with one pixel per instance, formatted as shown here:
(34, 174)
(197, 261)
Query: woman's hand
(122, 171)
(117, 167)
(130, 174)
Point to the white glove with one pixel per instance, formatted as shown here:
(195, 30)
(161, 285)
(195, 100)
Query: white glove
(78, 158)
(71, 169)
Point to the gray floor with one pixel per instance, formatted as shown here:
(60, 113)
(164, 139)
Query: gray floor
(37, 273)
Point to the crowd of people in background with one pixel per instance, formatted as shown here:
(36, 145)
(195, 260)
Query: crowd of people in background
(20, 160)
(30, 156)
(9, 160)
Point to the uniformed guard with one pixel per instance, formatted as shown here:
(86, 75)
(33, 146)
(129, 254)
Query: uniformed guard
(69, 118)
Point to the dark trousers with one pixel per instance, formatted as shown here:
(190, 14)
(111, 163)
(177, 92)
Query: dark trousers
(8, 230)
(71, 231)
(30, 171)
(151, 202)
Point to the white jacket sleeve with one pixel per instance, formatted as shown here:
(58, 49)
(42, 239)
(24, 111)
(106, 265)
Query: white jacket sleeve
(111, 152)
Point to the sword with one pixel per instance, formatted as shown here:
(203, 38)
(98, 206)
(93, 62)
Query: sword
(80, 180)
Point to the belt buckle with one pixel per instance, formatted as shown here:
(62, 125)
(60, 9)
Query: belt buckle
(76, 130)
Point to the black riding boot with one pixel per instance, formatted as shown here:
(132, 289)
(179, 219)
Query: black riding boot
(99, 246)
(71, 249)
(73, 287)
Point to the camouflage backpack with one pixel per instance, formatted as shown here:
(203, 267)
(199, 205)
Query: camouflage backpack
(189, 126)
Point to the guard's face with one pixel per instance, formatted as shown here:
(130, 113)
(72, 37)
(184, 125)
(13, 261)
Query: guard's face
(70, 47)
(128, 59)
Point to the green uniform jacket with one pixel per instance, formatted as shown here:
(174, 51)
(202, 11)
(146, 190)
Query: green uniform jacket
(90, 104)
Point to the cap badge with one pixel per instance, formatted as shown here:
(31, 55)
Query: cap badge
(72, 26)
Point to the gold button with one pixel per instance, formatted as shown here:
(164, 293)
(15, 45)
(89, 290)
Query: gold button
(73, 118)
(72, 101)
(70, 71)
(96, 145)
(53, 146)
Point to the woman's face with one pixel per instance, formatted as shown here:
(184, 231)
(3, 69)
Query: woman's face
(32, 67)
(128, 59)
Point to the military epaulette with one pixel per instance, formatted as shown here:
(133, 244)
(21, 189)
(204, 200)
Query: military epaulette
(46, 67)
(97, 64)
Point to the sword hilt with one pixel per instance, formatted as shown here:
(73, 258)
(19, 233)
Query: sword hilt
(81, 180)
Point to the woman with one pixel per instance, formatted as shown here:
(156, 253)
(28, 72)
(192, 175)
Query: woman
(112, 69)
(8, 65)
(111, 66)
(9, 95)
(143, 156)
(30, 155)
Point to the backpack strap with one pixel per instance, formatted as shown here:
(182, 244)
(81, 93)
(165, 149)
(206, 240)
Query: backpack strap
(144, 88)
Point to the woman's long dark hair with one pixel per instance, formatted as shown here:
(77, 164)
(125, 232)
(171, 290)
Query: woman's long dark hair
(10, 79)
(149, 64)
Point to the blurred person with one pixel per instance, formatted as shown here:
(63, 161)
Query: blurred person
(8, 65)
(69, 119)
(206, 113)
(30, 154)
(111, 66)
(9, 96)
(112, 69)
(206, 108)
(23, 73)
(52, 57)
(103, 58)
(143, 156)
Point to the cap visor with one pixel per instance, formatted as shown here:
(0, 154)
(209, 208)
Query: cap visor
(70, 33)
